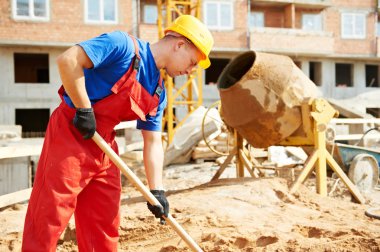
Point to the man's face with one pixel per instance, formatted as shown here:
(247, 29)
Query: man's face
(185, 57)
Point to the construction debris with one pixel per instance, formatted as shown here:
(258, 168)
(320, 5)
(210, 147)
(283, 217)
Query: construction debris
(355, 107)
(188, 136)
(10, 132)
(216, 146)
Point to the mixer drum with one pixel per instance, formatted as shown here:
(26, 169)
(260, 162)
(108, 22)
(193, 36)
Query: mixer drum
(261, 95)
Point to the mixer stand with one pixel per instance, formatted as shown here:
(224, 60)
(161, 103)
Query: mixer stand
(316, 114)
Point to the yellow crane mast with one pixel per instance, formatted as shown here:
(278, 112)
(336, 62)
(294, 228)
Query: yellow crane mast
(188, 94)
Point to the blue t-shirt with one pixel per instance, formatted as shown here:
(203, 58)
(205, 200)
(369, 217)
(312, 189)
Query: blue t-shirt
(111, 55)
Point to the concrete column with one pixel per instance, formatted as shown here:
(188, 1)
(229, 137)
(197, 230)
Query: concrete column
(359, 78)
(328, 78)
(305, 67)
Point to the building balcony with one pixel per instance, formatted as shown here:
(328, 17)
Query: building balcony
(291, 41)
(309, 4)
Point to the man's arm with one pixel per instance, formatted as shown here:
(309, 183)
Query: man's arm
(153, 158)
(71, 64)
(153, 161)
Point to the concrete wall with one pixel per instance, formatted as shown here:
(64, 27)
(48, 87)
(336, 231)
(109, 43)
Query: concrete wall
(66, 26)
(14, 174)
(329, 88)
(29, 95)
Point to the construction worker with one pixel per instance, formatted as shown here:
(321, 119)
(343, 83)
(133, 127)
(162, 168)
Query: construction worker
(105, 80)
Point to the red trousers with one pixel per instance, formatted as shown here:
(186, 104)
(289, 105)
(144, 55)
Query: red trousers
(76, 177)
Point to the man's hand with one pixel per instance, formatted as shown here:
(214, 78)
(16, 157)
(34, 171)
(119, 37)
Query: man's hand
(85, 122)
(158, 210)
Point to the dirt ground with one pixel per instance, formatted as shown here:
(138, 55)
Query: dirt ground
(230, 214)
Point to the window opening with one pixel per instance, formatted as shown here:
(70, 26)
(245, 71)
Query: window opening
(31, 68)
(150, 14)
(312, 22)
(256, 19)
(101, 11)
(315, 72)
(33, 121)
(372, 76)
(353, 25)
(343, 75)
(31, 9)
(218, 15)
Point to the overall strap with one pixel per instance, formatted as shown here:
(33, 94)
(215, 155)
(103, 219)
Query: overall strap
(134, 67)
(159, 87)
(156, 96)
(137, 59)
(61, 92)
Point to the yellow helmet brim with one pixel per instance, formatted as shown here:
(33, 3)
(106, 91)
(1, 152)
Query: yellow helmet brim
(205, 63)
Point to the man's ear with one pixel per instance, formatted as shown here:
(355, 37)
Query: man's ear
(178, 44)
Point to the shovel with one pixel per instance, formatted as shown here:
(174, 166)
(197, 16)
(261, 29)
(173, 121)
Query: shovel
(141, 187)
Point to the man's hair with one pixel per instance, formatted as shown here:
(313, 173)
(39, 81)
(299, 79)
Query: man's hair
(174, 35)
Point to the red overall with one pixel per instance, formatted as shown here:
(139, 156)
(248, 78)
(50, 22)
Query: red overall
(74, 175)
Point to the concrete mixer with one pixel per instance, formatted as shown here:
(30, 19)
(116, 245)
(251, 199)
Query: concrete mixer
(269, 101)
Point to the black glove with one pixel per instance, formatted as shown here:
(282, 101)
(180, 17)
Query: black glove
(85, 122)
(158, 210)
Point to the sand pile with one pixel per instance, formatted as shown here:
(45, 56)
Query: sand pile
(229, 215)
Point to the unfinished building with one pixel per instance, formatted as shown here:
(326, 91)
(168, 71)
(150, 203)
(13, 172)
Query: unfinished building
(335, 43)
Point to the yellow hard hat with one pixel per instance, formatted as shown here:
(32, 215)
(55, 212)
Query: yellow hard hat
(197, 32)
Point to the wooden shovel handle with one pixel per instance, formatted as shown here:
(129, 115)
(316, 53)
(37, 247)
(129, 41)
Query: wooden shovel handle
(142, 188)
